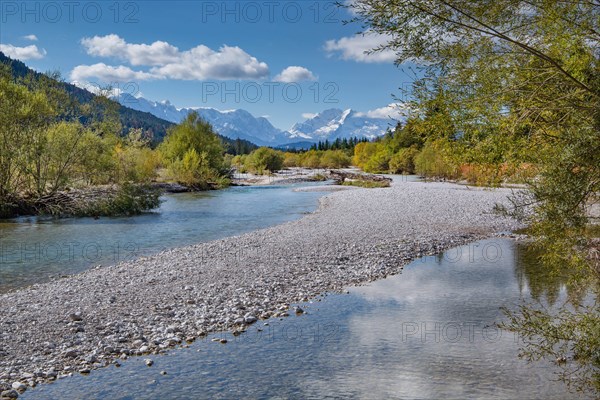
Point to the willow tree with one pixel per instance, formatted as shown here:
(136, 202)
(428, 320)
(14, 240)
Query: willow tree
(520, 79)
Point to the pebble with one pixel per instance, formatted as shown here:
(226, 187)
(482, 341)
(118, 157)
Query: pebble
(148, 362)
(19, 386)
(9, 394)
(76, 316)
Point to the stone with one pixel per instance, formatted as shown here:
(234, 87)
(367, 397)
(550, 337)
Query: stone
(148, 362)
(71, 353)
(76, 316)
(51, 373)
(9, 394)
(91, 359)
(19, 386)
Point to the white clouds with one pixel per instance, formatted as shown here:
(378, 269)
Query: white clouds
(33, 38)
(107, 73)
(355, 48)
(295, 74)
(202, 63)
(309, 115)
(157, 53)
(22, 53)
(394, 111)
(167, 61)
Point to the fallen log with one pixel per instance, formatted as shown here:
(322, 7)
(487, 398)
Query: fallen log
(343, 176)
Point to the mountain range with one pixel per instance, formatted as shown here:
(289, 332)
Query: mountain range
(153, 126)
(329, 124)
(238, 128)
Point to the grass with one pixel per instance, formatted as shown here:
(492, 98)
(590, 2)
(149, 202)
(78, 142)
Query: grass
(318, 178)
(367, 184)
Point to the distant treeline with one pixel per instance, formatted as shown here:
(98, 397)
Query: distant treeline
(338, 144)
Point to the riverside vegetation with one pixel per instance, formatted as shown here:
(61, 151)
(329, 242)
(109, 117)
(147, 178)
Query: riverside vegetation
(509, 90)
(62, 157)
(65, 157)
(267, 160)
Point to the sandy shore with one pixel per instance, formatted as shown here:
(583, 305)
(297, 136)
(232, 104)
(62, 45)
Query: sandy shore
(147, 306)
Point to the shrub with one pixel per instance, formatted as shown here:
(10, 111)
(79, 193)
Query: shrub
(334, 159)
(291, 160)
(403, 162)
(193, 153)
(311, 159)
(363, 153)
(129, 200)
(432, 162)
(265, 159)
(239, 163)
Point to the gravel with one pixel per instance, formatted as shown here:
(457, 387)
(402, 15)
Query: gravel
(146, 307)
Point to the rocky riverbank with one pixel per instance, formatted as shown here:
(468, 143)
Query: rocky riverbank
(147, 306)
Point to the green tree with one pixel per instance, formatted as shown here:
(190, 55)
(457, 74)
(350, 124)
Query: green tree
(193, 153)
(335, 159)
(24, 115)
(403, 162)
(265, 159)
(311, 159)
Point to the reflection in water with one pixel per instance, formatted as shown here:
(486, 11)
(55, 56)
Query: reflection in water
(427, 333)
(545, 285)
(542, 284)
(34, 250)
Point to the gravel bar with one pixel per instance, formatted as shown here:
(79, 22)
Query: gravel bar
(145, 307)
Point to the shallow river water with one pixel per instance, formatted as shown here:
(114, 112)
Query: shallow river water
(428, 333)
(35, 249)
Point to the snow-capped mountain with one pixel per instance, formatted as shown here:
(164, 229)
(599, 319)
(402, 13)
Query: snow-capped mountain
(233, 124)
(335, 123)
(163, 109)
(327, 125)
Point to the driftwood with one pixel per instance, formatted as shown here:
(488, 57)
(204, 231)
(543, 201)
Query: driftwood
(172, 187)
(342, 176)
(71, 202)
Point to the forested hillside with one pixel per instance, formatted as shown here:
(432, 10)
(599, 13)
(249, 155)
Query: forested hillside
(152, 127)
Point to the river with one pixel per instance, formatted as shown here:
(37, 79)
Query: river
(34, 250)
(427, 333)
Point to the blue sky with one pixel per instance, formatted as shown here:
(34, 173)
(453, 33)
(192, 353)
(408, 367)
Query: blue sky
(281, 59)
